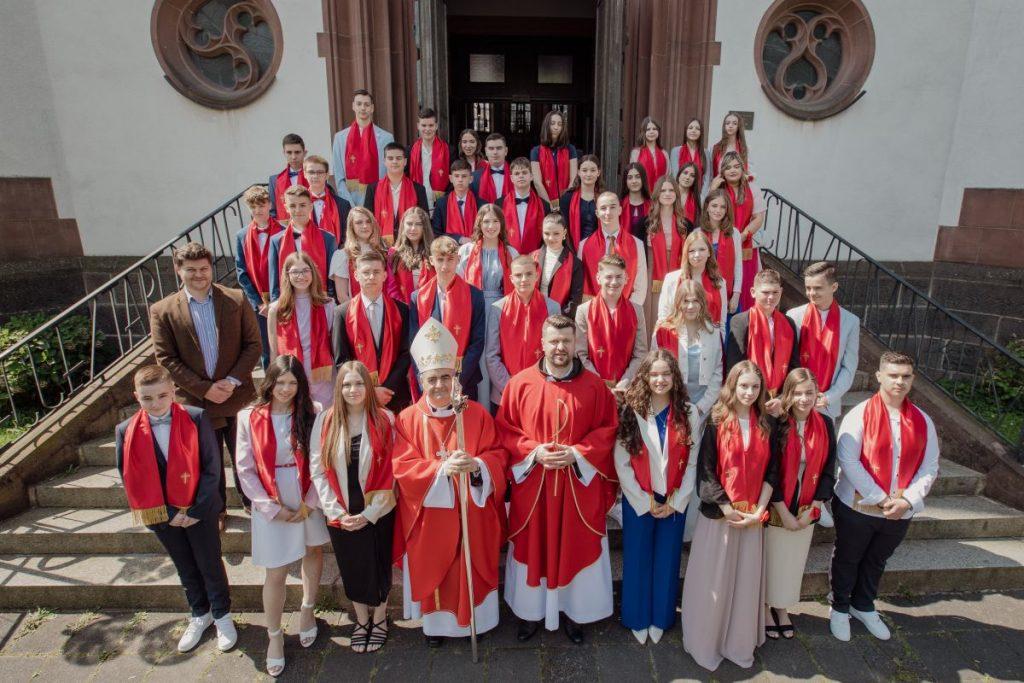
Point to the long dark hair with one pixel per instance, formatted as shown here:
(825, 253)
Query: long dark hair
(599, 185)
(637, 401)
(302, 405)
(645, 188)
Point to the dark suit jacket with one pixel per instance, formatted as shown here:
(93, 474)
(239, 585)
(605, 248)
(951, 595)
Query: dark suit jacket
(439, 221)
(421, 201)
(474, 185)
(398, 379)
(736, 344)
(343, 208)
(239, 348)
(207, 502)
(470, 374)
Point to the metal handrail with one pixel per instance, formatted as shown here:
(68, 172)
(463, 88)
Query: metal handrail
(117, 317)
(961, 360)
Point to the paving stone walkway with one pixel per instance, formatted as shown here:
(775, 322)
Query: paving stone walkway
(939, 638)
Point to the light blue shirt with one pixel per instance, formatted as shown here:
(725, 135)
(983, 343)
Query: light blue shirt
(205, 322)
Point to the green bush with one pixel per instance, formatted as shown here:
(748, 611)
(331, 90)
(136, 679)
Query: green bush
(998, 397)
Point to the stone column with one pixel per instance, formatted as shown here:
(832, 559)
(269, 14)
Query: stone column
(369, 44)
(608, 46)
(432, 66)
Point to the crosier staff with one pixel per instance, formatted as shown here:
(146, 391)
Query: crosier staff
(459, 405)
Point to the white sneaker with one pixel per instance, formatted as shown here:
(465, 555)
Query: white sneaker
(655, 633)
(194, 632)
(640, 635)
(227, 636)
(839, 624)
(872, 622)
(825, 520)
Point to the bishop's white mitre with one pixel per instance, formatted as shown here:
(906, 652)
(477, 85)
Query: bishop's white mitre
(434, 347)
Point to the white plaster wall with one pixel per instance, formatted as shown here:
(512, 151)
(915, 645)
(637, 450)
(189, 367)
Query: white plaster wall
(874, 173)
(142, 162)
(987, 146)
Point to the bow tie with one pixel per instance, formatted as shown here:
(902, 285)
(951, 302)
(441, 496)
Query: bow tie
(322, 198)
(497, 171)
(522, 200)
(292, 174)
(164, 420)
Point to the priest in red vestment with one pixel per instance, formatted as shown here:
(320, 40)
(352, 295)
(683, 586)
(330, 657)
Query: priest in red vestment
(558, 420)
(428, 461)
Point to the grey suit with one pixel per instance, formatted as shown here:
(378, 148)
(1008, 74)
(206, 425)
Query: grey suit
(849, 355)
(492, 345)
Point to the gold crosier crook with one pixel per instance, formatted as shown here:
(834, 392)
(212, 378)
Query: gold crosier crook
(560, 424)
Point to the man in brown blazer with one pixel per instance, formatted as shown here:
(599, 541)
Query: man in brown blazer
(207, 336)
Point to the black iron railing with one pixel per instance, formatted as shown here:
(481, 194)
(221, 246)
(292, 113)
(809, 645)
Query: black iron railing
(981, 375)
(54, 362)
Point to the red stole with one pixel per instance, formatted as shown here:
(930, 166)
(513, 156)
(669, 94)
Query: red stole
(714, 297)
(667, 339)
(141, 475)
(611, 337)
(741, 469)
(486, 189)
(383, 206)
(290, 342)
(594, 250)
(876, 448)
(456, 310)
(330, 218)
(661, 260)
(256, 263)
(675, 466)
(361, 162)
(281, 184)
(360, 336)
(380, 477)
(773, 359)
(403, 276)
(559, 289)
(742, 213)
(685, 157)
(654, 167)
(819, 344)
(575, 226)
(690, 206)
(555, 177)
(438, 165)
(519, 331)
(313, 245)
(460, 222)
(264, 450)
(815, 444)
(474, 267)
(726, 257)
(523, 238)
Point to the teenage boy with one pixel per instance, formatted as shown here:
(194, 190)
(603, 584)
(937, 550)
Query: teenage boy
(294, 154)
(252, 251)
(359, 150)
(394, 194)
(429, 157)
(610, 238)
(763, 335)
(611, 334)
(523, 208)
(455, 212)
(458, 305)
(888, 455)
(300, 235)
(489, 182)
(330, 211)
(169, 461)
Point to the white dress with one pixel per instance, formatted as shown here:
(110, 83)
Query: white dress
(276, 543)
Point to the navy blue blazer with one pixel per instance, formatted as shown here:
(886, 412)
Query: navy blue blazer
(275, 269)
(470, 375)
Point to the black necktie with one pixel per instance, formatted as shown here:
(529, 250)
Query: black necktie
(522, 200)
(497, 171)
(461, 202)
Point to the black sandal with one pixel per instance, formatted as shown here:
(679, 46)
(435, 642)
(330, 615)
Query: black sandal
(378, 636)
(772, 632)
(360, 640)
(787, 630)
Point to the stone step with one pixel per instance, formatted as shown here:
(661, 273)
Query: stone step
(149, 581)
(101, 452)
(96, 487)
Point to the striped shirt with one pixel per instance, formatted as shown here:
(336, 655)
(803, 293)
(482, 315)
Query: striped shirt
(205, 322)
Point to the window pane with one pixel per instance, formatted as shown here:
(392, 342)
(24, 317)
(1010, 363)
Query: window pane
(554, 69)
(487, 68)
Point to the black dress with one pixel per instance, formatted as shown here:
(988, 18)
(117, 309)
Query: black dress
(364, 556)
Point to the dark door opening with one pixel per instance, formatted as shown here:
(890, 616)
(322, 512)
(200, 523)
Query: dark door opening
(508, 83)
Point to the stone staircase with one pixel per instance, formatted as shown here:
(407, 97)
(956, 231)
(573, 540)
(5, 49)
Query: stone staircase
(76, 548)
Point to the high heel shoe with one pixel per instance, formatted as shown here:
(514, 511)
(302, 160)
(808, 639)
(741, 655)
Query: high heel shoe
(307, 638)
(275, 666)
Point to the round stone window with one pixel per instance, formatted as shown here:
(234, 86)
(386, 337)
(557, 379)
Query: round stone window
(220, 53)
(813, 56)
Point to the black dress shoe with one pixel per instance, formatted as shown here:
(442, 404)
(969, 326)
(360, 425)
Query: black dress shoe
(573, 631)
(526, 630)
(435, 641)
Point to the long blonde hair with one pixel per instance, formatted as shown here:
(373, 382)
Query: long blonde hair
(675, 317)
(337, 431)
(286, 302)
(352, 245)
(724, 409)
